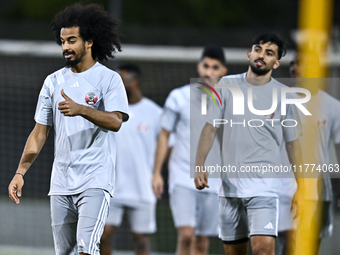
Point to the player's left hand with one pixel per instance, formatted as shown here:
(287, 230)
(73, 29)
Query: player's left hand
(68, 107)
(296, 204)
(201, 181)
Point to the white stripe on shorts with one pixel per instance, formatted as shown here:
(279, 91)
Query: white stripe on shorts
(277, 215)
(99, 225)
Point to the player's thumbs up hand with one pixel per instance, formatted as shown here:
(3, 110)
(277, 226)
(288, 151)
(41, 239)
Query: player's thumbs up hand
(68, 107)
(64, 95)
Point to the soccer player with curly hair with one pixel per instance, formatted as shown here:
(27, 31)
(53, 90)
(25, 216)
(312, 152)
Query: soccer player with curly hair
(84, 101)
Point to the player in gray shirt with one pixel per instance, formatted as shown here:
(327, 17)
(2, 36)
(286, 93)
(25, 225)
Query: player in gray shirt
(248, 201)
(84, 102)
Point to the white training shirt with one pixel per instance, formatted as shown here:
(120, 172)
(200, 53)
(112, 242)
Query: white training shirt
(176, 119)
(83, 156)
(249, 147)
(136, 146)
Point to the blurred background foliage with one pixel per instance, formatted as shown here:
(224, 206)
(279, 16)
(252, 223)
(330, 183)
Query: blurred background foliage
(176, 22)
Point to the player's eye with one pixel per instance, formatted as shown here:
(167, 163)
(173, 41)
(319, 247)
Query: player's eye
(215, 68)
(206, 66)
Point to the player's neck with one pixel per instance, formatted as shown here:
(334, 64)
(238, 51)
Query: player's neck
(135, 97)
(257, 80)
(85, 64)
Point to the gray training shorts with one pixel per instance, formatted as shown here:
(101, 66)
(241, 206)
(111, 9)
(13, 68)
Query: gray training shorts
(142, 216)
(244, 217)
(78, 221)
(197, 209)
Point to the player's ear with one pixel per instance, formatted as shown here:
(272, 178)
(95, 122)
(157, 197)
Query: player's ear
(277, 64)
(88, 44)
(198, 66)
(248, 54)
(225, 70)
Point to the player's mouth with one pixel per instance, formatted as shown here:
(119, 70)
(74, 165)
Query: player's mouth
(259, 63)
(68, 54)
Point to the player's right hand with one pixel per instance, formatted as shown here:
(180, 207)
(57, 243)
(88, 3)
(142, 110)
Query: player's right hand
(15, 187)
(158, 185)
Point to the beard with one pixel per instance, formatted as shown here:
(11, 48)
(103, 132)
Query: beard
(73, 63)
(258, 70)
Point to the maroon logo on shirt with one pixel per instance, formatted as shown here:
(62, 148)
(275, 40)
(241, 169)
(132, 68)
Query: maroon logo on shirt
(91, 98)
(321, 122)
(270, 116)
(142, 127)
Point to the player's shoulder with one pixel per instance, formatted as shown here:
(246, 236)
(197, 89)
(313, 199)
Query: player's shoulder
(181, 93)
(232, 79)
(151, 104)
(274, 82)
(103, 71)
(178, 98)
(58, 76)
(234, 76)
(229, 77)
(328, 99)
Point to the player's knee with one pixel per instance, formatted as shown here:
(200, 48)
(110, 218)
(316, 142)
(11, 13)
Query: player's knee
(201, 249)
(185, 238)
(202, 245)
(142, 244)
(107, 234)
(105, 240)
(262, 249)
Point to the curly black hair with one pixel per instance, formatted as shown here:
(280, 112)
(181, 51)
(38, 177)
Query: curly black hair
(94, 24)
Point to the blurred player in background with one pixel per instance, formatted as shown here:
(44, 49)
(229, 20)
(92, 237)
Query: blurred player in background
(325, 125)
(195, 213)
(136, 148)
(248, 201)
(84, 102)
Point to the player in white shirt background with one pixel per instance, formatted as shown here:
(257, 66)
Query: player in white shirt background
(248, 202)
(84, 102)
(136, 146)
(195, 213)
(325, 126)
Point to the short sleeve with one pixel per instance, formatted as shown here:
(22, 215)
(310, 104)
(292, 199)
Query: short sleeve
(158, 117)
(115, 97)
(171, 111)
(44, 110)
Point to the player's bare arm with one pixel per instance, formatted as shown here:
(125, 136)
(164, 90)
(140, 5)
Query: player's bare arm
(161, 152)
(108, 120)
(204, 145)
(34, 144)
(294, 152)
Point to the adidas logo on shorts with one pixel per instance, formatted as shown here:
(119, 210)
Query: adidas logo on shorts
(269, 226)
